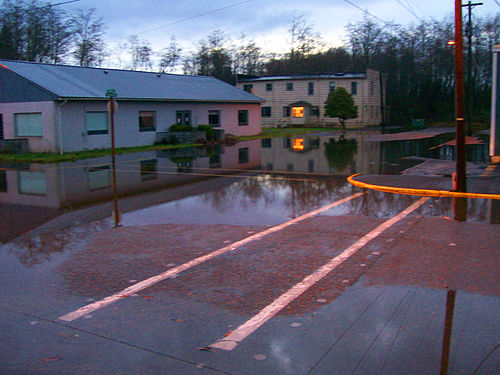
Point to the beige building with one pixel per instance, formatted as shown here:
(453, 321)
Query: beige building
(300, 100)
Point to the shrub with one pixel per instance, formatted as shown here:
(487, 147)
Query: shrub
(209, 131)
(180, 128)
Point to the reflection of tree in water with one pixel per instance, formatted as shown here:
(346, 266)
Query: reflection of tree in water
(340, 154)
(244, 191)
(39, 248)
(300, 196)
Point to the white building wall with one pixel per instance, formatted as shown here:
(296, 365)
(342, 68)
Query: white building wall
(48, 142)
(70, 116)
(367, 98)
(126, 121)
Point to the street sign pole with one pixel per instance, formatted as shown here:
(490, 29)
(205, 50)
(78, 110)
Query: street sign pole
(111, 107)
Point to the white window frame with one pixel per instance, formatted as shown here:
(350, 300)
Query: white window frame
(96, 131)
(33, 126)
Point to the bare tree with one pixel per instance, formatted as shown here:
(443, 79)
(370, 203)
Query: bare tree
(58, 35)
(303, 39)
(170, 56)
(88, 32)
(213, 58)
(247, 58)
(141, 53)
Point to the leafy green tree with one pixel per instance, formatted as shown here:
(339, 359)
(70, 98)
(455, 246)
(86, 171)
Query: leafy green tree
(339, 103)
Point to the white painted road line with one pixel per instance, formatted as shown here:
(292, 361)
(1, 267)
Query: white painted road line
(183, 267)
(239, 334)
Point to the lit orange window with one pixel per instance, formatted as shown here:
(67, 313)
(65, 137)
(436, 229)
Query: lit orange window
(298, 144)
(298, 111)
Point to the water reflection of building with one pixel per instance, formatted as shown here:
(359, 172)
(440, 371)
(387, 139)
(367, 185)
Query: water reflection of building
(333, 154)
(86, 181)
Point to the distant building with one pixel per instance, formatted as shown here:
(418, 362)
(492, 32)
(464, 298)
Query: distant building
(301, 99)
(60, 108)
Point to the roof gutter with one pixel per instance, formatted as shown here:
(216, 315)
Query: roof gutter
(167, 100)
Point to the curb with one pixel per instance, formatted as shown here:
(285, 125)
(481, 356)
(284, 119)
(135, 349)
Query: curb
(420, 192)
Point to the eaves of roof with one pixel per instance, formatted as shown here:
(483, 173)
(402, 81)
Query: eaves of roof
(306, 77)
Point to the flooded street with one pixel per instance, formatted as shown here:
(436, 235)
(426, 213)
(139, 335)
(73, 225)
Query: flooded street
(254, 182)
(256, 258)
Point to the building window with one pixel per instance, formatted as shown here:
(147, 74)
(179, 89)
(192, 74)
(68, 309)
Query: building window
(372, 88)
(147, 121)
(331, 86)
(298, 112)
(286, 111)
(242, 117)
(183, 117)
(266, 111)
(149, 169)
(289, 167)
(214, 118)
(289, 86)
(97, 122)
(354, 88)
(3, 181)
(267, 143)
(99, 177)
(214, 161)
(287, 143)
(315, 111)
(243, 155)
(298, 144)
(248, 88)
(33, 183)
(269, 87)
(310, 88)
(311, 165)
(28, 124)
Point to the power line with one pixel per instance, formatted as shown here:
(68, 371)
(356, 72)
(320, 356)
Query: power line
(191, 18)
(409, 10)
(366, 12)
(56, 4)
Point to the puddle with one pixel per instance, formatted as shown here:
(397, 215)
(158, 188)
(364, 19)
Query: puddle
(254, 182)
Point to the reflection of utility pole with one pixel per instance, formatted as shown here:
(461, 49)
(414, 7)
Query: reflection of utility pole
(459, 99)
(111, 107)
(448, 325)
(470, 93)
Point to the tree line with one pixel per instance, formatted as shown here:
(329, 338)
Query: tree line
(416, 63)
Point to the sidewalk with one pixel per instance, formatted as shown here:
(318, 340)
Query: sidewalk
(436, 175)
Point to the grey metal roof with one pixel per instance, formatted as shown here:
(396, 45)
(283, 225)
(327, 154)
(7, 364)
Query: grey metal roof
(79, 82)
(306, 76)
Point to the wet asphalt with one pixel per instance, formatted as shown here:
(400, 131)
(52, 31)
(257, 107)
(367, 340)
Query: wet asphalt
(381, 312)
(421, 297)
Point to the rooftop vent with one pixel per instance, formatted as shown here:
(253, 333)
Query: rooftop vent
(105, 72)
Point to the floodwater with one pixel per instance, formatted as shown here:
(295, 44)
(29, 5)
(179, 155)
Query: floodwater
(254, 182)
(413, 300)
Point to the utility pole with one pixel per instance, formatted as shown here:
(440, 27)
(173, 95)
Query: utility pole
(459, 99)
(470, 93)
(111, 94)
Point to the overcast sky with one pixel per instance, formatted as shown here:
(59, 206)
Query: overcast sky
(264, 21)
